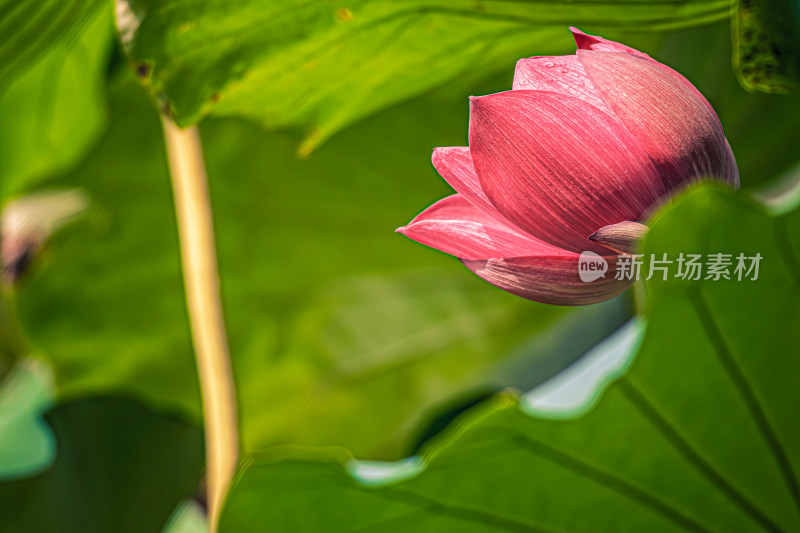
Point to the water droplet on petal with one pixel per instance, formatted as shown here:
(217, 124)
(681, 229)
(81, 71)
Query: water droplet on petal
(549, 64)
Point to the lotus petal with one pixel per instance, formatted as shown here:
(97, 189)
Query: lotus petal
(594, 42)
(678, 131)
(551, 280)
(559, 167)
(455, 226)
(454, 164)
(559, 74)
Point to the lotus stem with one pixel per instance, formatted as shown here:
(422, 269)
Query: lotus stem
(198, 255)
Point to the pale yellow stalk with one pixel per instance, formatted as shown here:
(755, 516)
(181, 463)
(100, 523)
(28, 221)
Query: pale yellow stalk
(201, 280)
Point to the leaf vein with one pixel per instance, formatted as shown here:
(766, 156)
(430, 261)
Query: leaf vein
(611, 481)
(692, 456)
(747, 393)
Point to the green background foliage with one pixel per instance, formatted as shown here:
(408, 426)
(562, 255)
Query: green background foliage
(326, 307)
(765, 37)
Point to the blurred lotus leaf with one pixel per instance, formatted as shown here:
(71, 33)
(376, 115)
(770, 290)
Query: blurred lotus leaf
(698, 433)
(319, 66)
(53, 66)
(119, 467)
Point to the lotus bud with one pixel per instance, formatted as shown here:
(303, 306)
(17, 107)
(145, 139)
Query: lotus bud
(565, 162)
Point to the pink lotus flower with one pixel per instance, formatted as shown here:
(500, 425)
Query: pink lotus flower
(580, 143)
